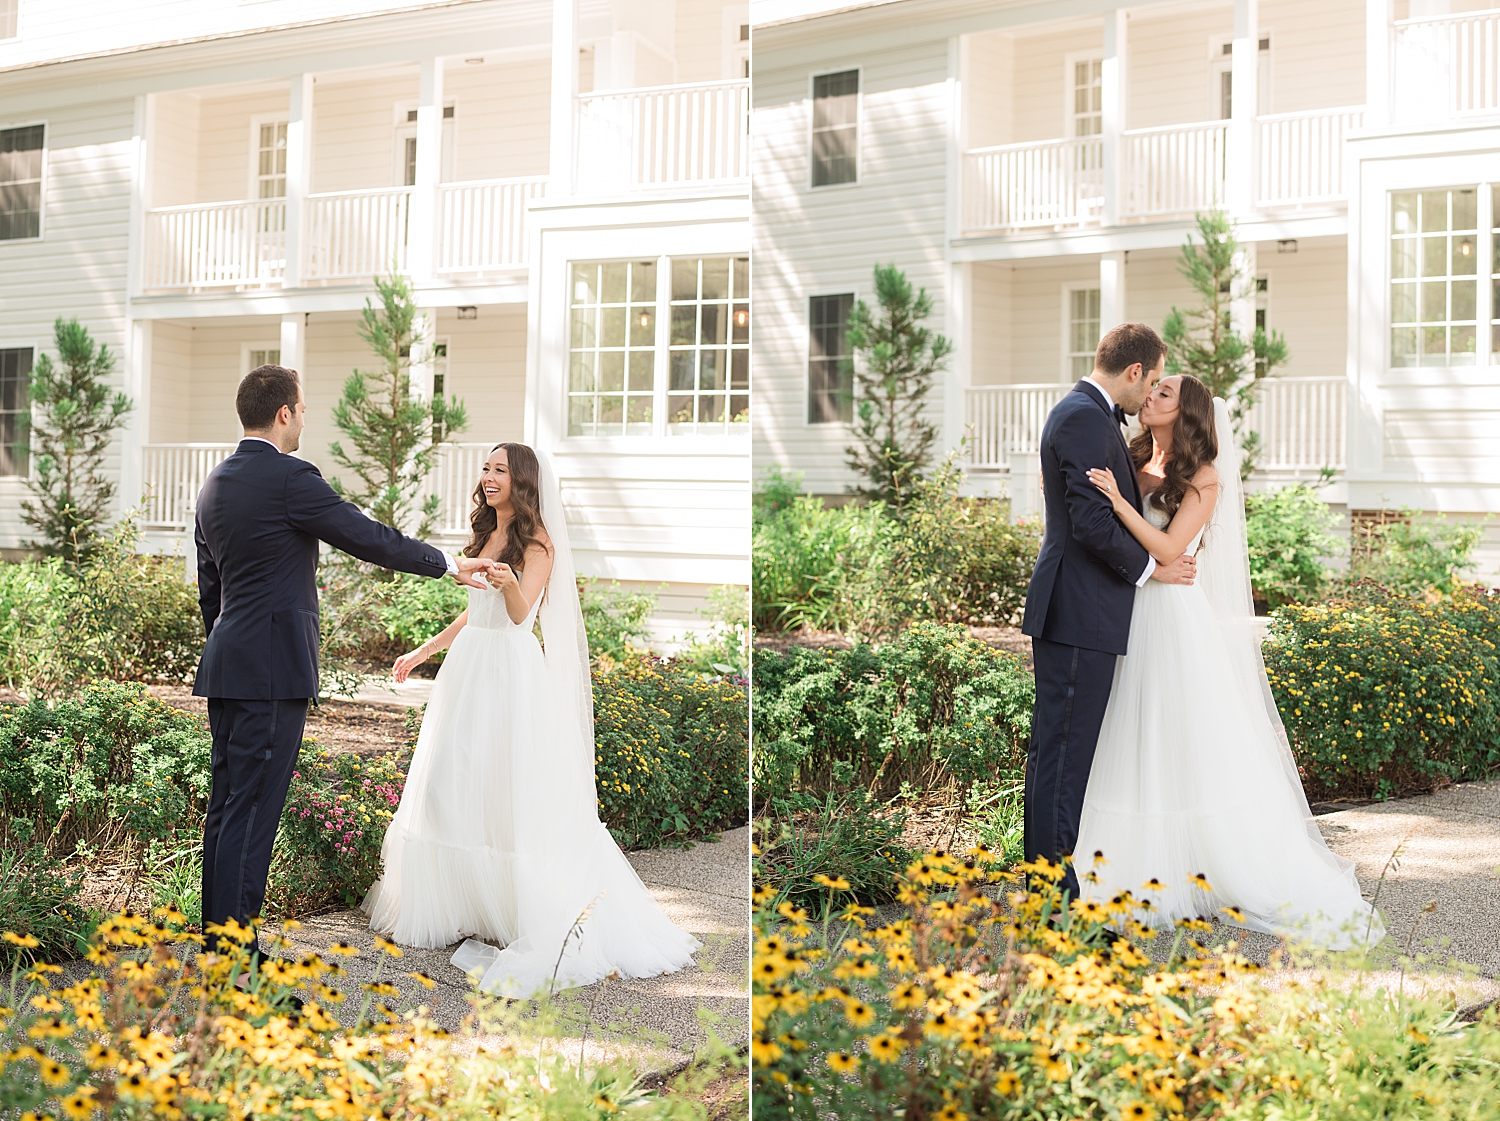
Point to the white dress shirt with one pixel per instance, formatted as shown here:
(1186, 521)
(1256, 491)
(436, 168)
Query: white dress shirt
(1110, 402)
(452, 564)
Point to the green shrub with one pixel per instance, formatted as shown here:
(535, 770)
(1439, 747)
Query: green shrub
(39, 898)
(419, 608)
(870, 569)
(841, 835)
(1411, 556)
(670, 753)
(333, 824)
(1390, 694)
(933, 706)
(112, 758)
(726, 647)
(1290, 536)
(613, 617)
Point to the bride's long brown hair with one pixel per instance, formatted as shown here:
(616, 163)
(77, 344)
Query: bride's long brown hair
(525, 528)
(1194, 443)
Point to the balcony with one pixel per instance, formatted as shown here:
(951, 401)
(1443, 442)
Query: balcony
(1445, 66)
(663, 136)
(1169, 172)
(1302, 423)
(173, 474)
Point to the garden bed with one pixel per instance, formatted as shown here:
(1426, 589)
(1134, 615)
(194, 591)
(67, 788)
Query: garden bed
(356, 726)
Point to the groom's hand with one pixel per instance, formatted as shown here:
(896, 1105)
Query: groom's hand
(1180, 571)
(469, 568)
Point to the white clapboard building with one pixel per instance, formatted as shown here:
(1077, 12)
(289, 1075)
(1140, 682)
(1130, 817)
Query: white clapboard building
(213, 184)
(1036, 166)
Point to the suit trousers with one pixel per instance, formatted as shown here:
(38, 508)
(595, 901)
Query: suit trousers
(255, 746)
(1072, 691)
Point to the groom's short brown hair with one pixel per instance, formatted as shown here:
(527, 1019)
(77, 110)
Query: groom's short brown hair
(261, 394)
(1127, 344)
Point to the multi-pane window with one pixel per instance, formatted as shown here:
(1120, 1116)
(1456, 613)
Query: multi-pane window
(439, 385)
(1088, 97)
(21, 182)
(612, 349)
(830, 381)
(270, 160)
(835, 128)
(1082, 331)
(1434, 277)
(10, 11)
(708, 383)
(1495, 271)
(15, 411)
(268, 357)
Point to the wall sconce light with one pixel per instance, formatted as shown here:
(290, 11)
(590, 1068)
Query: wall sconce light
(645, 319)
(741, 318)
(1288, 245)
(474, 61)
(1466, 247)
(468, 313)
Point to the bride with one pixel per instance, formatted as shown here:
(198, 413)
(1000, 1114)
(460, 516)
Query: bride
(498, 835)
(1193, 784)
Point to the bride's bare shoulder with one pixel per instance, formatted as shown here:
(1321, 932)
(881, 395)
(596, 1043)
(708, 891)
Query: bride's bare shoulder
(1206, 477)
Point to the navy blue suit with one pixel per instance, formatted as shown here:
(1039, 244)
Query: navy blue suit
(1078, 609)
(260, 517)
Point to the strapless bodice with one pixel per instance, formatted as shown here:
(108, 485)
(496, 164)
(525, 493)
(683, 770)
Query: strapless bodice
(487, 612)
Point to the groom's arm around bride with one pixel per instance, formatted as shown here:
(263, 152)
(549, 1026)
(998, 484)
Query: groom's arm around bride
(1078, 605)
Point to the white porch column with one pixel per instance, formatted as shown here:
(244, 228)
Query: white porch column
(1379, 15)
(137, 431)
(1111, 290)
(960, 373)
(421, 246)
(1240, 162)
(1112, 93)
(1242, 302)
(564, 94)
(298, 174)
(294, 343)
(423, 335)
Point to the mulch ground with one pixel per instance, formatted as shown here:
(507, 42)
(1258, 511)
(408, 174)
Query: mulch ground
(1002, 638)
(356, 726)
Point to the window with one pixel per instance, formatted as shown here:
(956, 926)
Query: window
(1223, 79)
(1434, 282)
(1495, 272)
(439, 385)
(1087, 114)
(830, 380)
(10, 11)
(835, 128)
(258, 358)
(612, 350)
(708, 385)
(15, 411)
(270, 160)
(1082, 332)
(21, 182)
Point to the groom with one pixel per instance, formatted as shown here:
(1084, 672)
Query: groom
(261, 514)
(1081, 594)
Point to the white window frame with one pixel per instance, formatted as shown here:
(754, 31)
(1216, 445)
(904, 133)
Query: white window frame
(41, 227)
(36, 352)
(807, 298)
(1484, 313)
(1066, 355)
(252, 188)
(247, 347)
(1219, 62)
(17, 35)
(406, 129)
(1070, 118)
(734, 51)
(859, 128)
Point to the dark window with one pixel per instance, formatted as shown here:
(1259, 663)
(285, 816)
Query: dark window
(835, 131)
(830, 384)
(15, 411)
(21, 182)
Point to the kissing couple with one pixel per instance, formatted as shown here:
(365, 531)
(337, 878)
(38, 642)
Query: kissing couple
(1157, 755)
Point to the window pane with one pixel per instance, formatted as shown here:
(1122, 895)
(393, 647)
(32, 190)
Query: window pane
(1403, 303)
(829, 384)
(1446, 257)
(611, 371)
(15, 409)
(585, 282)
(643, 282)
(684, 279)
(1434, 301)
(715, 324)
(1465, 256)
(612, 326)
(1463, 301)
(642, 327)
(612, 367)
(1465, 209)
(1404, 257)
(1434, 210)
(21, 182)
(642, 371)
(835, 128)
(716, 278)
(1434, 256)
(613, 282)
(1404, 346)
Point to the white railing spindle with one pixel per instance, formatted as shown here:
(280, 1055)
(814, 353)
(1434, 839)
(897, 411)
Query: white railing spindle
(1302, 155)
(482, 224)
(172, 475)
(663, 135)
(1174, 170)
(356, 233)
(1006, 420)
(1447, 65)
(242, 244)
(1019, 186)
(453, 480)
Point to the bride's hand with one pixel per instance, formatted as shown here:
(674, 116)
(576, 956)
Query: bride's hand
(1105, 480)
(409, 661)
(502, 577)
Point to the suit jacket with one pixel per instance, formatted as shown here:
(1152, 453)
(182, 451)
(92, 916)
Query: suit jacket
(260, 517)
(1083, 588)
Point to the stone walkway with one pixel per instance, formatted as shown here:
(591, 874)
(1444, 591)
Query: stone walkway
(658, 1023)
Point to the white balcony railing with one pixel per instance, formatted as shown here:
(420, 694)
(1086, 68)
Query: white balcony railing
(1447, 65)
(1174, 170)
(1302, 423)
(1302, 155)
(172, 475)
(229, 243)
(663, 136)
(1058, 183)
(356, 233)
(482, 225)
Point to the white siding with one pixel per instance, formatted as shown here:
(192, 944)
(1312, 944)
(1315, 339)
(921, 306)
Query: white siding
(989, 90)
(1041, 103)
(991, 362)
(1317, 53)
(808, 242)
(700, 39)
(171, 420)
(223, 173)
(354, 132)
(503, 121)
(174, 150)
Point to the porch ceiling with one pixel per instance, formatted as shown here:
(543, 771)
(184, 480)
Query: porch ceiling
(1325, 228)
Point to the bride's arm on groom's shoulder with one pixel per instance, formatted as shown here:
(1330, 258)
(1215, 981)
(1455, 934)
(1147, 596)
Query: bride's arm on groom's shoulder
(440, 641)
(1168, 544)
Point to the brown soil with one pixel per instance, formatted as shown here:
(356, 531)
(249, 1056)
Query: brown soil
(356, 726)
(1002, 638)
(726, 1098)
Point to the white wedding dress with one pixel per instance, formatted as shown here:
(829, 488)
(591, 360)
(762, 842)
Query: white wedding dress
(1192, 774)
(498, 835)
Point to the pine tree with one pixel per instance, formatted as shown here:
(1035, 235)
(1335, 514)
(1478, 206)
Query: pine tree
(77, 414)
(1202, 341)
(900, 358)
(391, 431)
